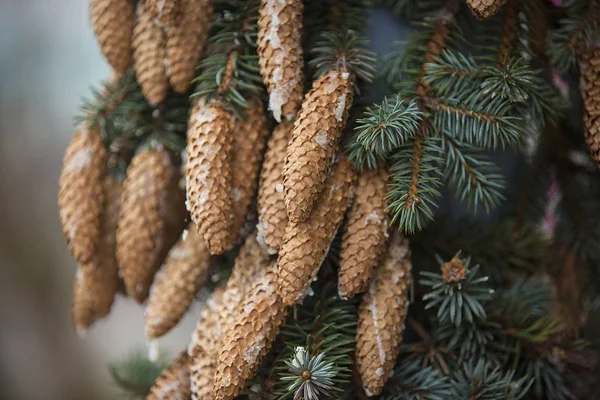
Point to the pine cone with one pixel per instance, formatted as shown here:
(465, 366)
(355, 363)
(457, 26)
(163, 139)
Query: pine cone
(280, 55)
(149, 54)
(381, 317)
(164, 12)
(185, 271)
(590, 73)
(366, 234)
(202, 375)
(248, 143)
(483, 9)
(272, 217)
(185, 42)
(152, 218)
(208, 174)
(97, 282)
(250, 337)
(173, 383)
(306, 243)
(315, 140)
(112, 22)
(80, 195)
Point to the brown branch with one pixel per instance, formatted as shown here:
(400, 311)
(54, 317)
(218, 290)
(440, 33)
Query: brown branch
(412, 198)
(508, 34)
(469, 113)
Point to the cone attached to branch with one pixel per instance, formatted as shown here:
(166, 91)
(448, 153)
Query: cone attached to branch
(173, 383)
(112, 22)
(81, 195)
(484, 9)
(208, 174)
(149, 54)
(590, 73)
(272, 216)
(280, 55)
(306, 243)
(185, 271)
(248, 143)
(250, 336)
(152, 218)
(186, 39)
(315, 140)
(381, 316)
(97, 281)
(165, 12)
(364, 240)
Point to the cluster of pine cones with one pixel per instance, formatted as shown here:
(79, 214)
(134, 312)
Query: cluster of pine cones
(127, 231)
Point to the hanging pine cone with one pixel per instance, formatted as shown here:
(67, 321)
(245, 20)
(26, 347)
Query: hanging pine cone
(149, 54)
(185, 42)
(173, 383)
(250, 336)
(175, 287)
(164, 12)
(208, 174)
(80, 194)
(366, 233)
(272, 217)
(306, 243)
(112, 22)
(315, 140)
(97, 281)
(280, 55)
(381, 317)
(152, 218)
(483, 9)
(248, 143)
(590, 73)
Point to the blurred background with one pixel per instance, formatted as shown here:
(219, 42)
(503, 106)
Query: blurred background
(49, 59)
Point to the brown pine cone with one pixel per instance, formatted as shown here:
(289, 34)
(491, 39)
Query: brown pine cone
(365, 237)
(202, 375)
(483, 9)
(315, 140)
(280, 55)
(112, 22)
(173, 383)
(272, 217)
(80, 194)
(176, 285)
(250, 336)
(306, 243)
(590, 75)
(248, 143)
(164, 12)
(185, 42)
(381, 315)
(97, 281)
(152, 218)
(149, 54)
(208, 173)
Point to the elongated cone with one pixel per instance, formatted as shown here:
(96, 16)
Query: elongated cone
(272, 217)
(315, 140)
(164, 12)
(381, 316)
(97, 281)
(112, 22)
(590, 73)
(208, 174)
(248, 144)
(185, 42)
(80, 193)
(175, 287)
(483, 9)
(364, 240)
(306, 243)
(280, 55)
(173, 383)
(250, 336)
(149, 54)
(152, 218)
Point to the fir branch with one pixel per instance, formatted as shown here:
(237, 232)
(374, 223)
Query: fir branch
(480, 381)
(135, 374)
(361, 158)
(413, 382)
(311, 377)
